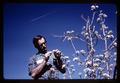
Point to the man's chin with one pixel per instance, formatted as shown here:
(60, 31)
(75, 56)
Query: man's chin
(44, 51)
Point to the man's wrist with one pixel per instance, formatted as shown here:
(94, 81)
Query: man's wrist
(46, 58)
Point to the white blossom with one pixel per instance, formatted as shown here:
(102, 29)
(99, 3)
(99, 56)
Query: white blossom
(110, 36)
(104, 26)
(98, 19)
(87, 37)
(76, 59)
(96, 32)
(114, 59)
(68, 32)
(104, 15)
(106, 76)
(95, 64)
(110, 32)
(111, 65)
(73, 70)
(101, 55)
(69, 38)
(87, 70)
(82, 51)
(101, 69)
(85, 76)
(97, 6)
(115, 53)
(97, 60)
(68, 61)
(86, 34)
(88, 63)
(82, 32)
(79, 73)
(106, 54)
(103, 61)
(83, 27)
(77, 52)
(115, 44)
(66, 57)
(71, 66)
(92, 7)
(72, 31)
(110, 69)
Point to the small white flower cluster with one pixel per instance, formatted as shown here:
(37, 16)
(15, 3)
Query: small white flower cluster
(106, 55)
(66, 60)
(101, 69)
(100, 56)
(95, 65)
(115, 44)
(111, 65)
(76, 59)
(77, 52)
(101, 17)
(97, 60)
(87, 70)
(115, 53)
(89, 73)
(94, 7)
(84, 33)
(80, 74)
(106, 76)
(72, 68)
(109, 36)
(69, 32)
(88, 63)
(102, 14)
(66, 57)
(82, 52)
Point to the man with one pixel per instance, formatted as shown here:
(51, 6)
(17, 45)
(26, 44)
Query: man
(45, 61)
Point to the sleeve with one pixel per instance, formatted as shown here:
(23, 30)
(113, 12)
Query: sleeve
(31, 64)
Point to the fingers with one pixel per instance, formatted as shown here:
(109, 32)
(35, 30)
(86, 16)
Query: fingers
(63, 66)
(47, 55)
(57, 53)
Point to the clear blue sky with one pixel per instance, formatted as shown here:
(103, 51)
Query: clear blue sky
(24, 21)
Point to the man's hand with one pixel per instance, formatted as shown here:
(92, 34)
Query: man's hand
(47, 55)
(57, 53)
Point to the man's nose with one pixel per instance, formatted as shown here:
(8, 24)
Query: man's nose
(44, 45)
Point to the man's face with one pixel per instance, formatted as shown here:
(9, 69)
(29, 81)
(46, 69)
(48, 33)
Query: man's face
(42, 44)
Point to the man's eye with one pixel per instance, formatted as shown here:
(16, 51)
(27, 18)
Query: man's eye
(42, 44)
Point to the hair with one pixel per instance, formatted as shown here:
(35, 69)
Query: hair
(35, 40)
